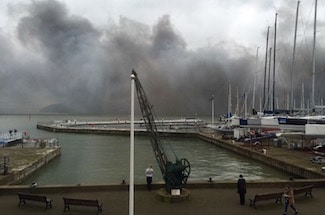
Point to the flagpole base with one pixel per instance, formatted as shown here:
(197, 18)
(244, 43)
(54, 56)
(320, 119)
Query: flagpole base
(165, 196)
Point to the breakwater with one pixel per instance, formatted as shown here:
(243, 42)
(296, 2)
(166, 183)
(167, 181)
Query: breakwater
(189, 132)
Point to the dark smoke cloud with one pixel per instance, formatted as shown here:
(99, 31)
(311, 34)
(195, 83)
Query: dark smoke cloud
(63, 61)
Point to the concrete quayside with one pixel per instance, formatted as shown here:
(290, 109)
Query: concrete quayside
(184, 126)
(23, 162)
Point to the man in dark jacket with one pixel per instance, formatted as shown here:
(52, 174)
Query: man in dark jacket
(241, 189)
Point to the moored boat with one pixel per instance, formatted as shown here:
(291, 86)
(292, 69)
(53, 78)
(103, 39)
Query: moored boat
(11, 137)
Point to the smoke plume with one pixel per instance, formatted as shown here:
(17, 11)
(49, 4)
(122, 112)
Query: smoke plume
(59, 62)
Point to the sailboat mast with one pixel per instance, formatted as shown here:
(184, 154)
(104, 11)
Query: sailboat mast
(314, 61)
(303, 98)
(255, 76)
(245, 106)
(294, 57)
(274, 52)
(237, 112)
(269, 82)
(265, 66)
(212, 110)
(229, 105)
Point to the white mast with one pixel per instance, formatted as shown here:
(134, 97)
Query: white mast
(237, 111)
(294, 57)
(212, 110)
(269, 82)
(274, 58)
(265, 94)
(303, 98)
(229, 106)
(314, 61)
(253, 106)
(245, 106)
(131, 187)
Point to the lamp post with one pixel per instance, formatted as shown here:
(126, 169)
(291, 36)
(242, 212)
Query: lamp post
(131, 187)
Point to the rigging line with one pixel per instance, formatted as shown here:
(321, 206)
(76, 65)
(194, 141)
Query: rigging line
(248, 87)
(283, 52)
(302, 45)
(321, 8)
(304, 41)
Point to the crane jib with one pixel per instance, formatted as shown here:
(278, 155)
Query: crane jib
(175, 174)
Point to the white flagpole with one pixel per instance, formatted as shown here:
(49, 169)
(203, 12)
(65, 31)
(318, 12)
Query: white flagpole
(131, 187)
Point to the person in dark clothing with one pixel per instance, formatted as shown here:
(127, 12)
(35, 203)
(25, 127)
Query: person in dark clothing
(241, 189)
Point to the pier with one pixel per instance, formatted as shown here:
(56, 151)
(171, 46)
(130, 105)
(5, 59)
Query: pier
(181, 127)
(22, 162)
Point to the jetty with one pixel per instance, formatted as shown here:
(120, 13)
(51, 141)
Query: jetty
(18, 163)
(174, 127)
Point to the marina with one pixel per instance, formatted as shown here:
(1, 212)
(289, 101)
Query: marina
(61, 65)
(90, 158)
(264, 171)
(114, 196)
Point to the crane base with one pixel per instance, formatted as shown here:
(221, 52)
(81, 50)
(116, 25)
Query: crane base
(165, 196)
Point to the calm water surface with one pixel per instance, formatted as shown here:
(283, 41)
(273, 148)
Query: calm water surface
(103, 159)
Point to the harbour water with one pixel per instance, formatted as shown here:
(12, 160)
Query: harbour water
(104, 159)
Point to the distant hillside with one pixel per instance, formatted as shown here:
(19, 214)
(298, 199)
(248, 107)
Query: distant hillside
(56, 108)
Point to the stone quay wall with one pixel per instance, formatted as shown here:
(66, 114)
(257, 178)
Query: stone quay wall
(19, 175)
(111, 131)
(295, 170)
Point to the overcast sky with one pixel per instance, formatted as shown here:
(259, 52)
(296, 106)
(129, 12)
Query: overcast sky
(68, 51)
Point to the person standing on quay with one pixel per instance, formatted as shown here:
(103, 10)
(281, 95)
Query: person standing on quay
(289, 199)
(241, 189)
(149, 176)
